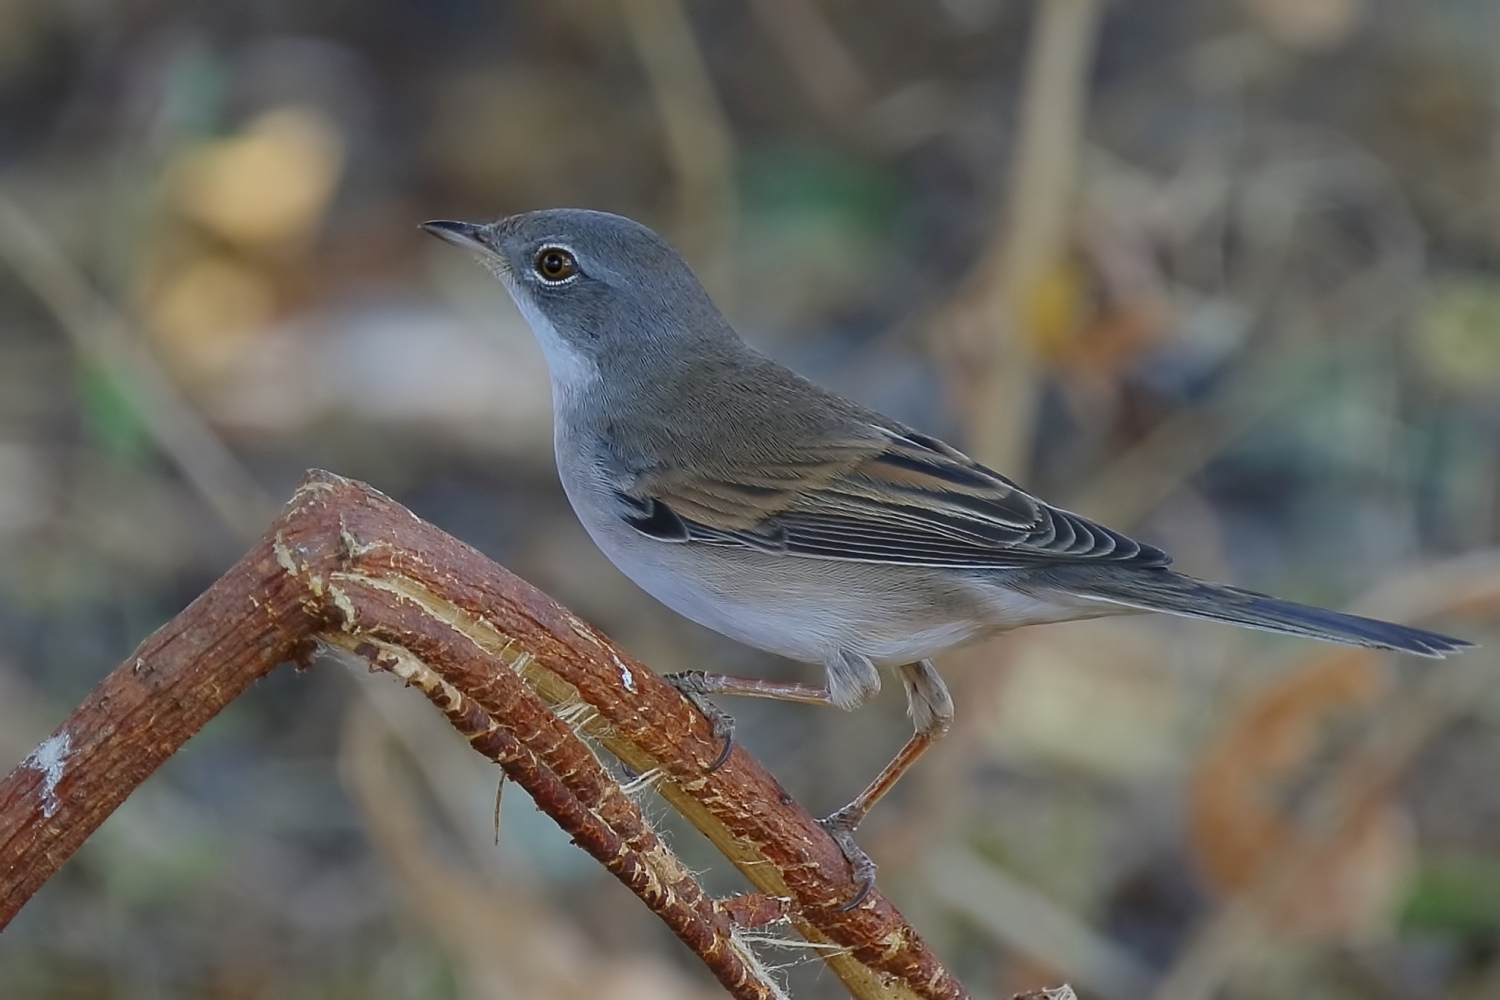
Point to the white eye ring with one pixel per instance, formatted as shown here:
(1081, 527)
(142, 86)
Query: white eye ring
(555, 265)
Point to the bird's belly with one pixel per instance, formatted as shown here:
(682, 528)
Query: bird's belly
(807, 609)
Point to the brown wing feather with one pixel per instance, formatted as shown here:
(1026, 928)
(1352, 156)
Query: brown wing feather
(741, 497)
(894, 497)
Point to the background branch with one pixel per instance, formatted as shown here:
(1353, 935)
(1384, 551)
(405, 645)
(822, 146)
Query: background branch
(989, 325)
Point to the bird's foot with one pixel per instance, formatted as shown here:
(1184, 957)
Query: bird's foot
(694, 685)
(840, 826)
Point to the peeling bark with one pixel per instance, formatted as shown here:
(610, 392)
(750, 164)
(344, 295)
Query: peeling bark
(529, 684)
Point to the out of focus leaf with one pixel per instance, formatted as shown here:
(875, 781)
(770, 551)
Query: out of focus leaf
(1459, 334)
(1242, 809)
(802, 183)
(1460, 894)
(1055, 307)
(192, 91)
(270, 185)
(108, 414)
(816, 228)
(205, 315)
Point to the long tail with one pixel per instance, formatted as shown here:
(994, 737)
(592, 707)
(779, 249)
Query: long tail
(1173, 593)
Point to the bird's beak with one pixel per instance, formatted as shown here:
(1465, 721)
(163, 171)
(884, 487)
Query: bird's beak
(468, 235)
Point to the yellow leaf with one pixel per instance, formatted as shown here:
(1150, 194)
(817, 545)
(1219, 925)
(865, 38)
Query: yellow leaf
(206, 314)
(1459, 334)
(270, 185)
(1053, 306)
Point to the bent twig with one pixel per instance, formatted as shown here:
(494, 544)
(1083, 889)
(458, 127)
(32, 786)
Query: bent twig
(347, 566)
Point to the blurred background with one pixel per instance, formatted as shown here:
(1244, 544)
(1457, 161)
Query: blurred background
(1224, 274)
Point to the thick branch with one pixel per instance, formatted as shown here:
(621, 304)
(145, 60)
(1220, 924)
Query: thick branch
(347, 566)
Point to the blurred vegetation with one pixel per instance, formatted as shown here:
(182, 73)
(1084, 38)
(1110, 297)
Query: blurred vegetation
(1268, 340)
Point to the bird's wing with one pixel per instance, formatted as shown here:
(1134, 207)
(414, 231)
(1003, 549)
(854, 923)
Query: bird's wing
(889, 497)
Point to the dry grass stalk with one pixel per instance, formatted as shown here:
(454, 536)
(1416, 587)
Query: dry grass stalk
(987, 329)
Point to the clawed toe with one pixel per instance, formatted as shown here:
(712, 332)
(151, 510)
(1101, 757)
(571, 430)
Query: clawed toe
(691, 684)
(840, 827)
(723, 730)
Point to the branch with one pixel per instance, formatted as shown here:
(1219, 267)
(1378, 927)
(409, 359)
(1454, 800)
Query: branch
(346, 566)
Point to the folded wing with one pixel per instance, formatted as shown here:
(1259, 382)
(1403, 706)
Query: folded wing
(893, 497)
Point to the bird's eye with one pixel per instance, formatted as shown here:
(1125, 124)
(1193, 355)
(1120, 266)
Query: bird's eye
(555, 264)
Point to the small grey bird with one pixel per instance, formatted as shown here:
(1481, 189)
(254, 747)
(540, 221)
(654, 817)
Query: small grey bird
(765, 507)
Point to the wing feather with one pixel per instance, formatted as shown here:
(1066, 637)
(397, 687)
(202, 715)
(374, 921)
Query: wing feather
(893, 497)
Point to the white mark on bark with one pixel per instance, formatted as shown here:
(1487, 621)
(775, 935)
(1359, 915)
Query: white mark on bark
(48, 758)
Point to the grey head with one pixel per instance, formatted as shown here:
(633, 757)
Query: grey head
(600, 291)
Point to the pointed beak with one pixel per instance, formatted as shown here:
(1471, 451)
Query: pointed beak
(468, 235)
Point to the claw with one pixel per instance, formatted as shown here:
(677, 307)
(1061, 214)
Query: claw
(724, 730)
(840, 827)
(691, 684)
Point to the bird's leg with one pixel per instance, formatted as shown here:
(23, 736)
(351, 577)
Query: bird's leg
(696, 682)
(931, 710)
(851, 680)
(696, 686)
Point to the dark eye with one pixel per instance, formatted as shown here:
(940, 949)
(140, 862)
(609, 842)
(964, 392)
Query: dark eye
(555, 264)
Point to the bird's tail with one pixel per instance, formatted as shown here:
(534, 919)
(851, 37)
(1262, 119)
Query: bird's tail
(1173, 593)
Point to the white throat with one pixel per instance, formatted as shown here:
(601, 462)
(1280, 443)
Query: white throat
(573, 373)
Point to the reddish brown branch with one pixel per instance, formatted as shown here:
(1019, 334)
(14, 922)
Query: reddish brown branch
(251, 619)
(606, 825)
(347, 566)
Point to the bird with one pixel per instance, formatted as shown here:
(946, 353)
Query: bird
(759, 504)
